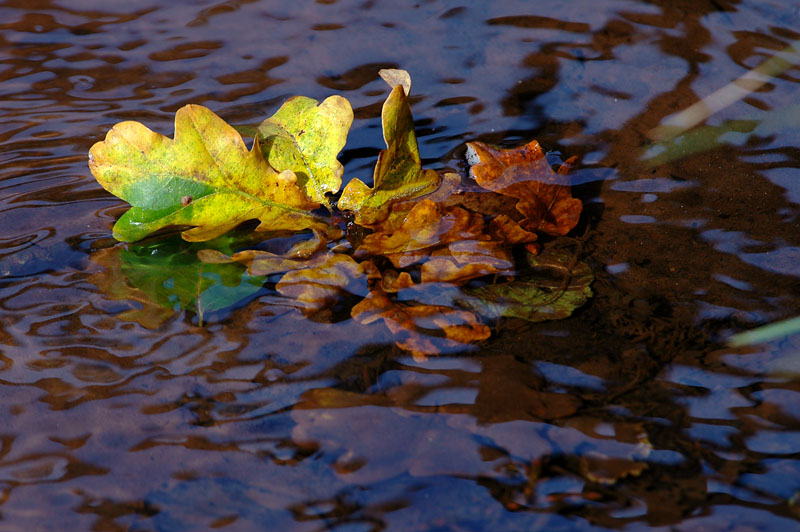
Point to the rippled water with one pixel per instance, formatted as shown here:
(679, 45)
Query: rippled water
(631, 414)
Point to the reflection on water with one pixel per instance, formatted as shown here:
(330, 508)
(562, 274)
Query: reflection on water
(630, 414)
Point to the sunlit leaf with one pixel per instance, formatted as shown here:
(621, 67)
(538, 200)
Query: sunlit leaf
(306, 138)
(543, 196)
(206, 177)
(552, 291)
(166, 276)
(426, 225)
(398, 172)
(418, 236)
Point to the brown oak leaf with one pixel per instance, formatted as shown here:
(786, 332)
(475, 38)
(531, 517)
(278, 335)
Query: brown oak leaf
(543, 196)
(427, 225)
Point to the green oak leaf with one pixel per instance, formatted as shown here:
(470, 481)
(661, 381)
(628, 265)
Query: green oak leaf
(552, 291)
(206, 177)
(306, 138)
(398, 172)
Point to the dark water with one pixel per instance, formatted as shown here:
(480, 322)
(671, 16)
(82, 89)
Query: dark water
(632, 414)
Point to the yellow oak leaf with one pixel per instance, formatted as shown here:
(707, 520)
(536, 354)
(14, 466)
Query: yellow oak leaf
(206, 178)
(398, 173)
(306, 138)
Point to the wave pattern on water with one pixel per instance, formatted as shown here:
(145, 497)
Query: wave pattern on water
(632, 413)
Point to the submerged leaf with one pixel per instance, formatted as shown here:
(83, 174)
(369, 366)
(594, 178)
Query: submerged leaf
(113, 283)
(316, 287)
(543, 197)
(166, 276)
(306, 138)
(555, 288)
(412, 325)
(504, 229)
(467, 260)
(393, 281)
(206, 177)
(398, 172)
(303, 254)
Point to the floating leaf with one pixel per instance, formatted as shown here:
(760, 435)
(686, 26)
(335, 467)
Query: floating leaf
(205, 177)
(415, 326)
(306, 138)
(166, 276)
(554, 289)
(412, 224)
(544, 198)
(398, 172)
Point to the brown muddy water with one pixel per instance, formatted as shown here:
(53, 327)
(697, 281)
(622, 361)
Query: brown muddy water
(632, 414)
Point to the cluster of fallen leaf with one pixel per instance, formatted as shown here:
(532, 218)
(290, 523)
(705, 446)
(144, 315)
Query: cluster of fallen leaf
(418, 244)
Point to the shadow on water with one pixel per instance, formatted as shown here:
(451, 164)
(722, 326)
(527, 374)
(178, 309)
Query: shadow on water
(630, 414)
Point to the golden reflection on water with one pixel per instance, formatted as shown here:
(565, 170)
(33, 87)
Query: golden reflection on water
(630, 413)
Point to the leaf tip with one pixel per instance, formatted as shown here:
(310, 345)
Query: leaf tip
(395, 77)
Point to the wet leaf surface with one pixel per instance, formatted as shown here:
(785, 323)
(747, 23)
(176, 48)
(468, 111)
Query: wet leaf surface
(423, 223)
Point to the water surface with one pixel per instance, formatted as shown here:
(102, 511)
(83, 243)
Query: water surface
(631, 414)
